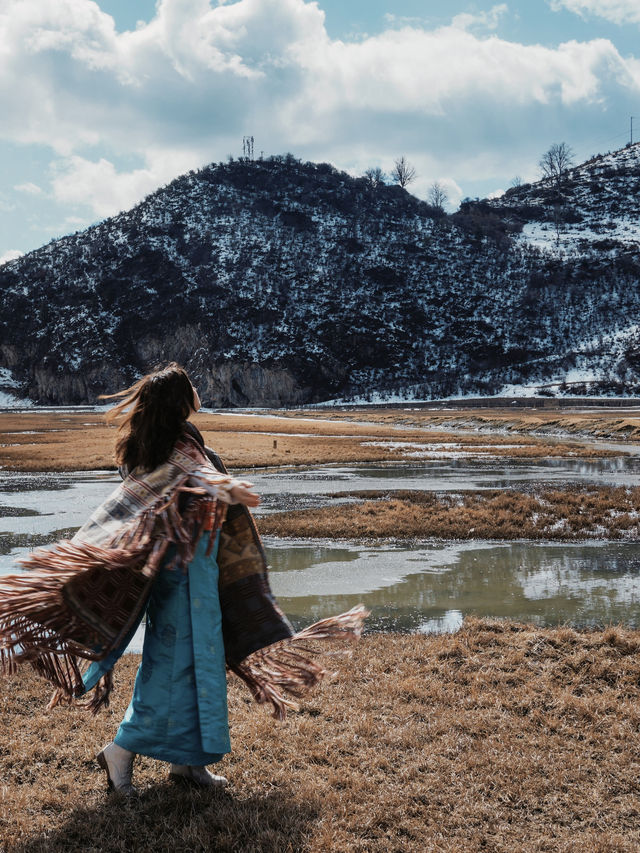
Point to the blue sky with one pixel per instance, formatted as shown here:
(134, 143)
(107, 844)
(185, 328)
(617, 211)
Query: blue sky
(104, 101)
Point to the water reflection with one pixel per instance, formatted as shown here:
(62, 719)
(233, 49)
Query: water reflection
(424, 587)
(432, 587)
(449, 474)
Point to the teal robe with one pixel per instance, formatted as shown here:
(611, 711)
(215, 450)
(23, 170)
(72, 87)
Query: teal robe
(178, 711)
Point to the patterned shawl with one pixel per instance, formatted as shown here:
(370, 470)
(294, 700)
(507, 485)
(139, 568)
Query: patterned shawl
(82, 599)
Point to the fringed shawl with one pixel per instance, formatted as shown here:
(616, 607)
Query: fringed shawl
(81, 599)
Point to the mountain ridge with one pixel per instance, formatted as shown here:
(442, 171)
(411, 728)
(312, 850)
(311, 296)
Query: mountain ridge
(277, 282)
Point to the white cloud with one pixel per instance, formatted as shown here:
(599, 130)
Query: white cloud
(425, 73)
(463, 21)
(77, 180)
(183, 89)
(403, 20)
(29, 188)
(10, 255)
(617, 11)
(453, 190)
(485, 20)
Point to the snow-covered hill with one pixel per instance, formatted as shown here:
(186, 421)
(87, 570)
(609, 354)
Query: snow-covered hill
(593, 208)
(280, 282)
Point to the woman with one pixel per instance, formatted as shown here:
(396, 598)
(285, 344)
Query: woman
(163, 542)
(178, 712)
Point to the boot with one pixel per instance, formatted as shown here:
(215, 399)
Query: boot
(118, 764)
(198, 776)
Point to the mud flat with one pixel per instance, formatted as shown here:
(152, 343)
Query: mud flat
(618, 424)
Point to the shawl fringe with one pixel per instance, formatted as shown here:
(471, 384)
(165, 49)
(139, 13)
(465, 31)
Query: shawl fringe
(287, 666)
(39, 623)
(100, 699)
(80, 599)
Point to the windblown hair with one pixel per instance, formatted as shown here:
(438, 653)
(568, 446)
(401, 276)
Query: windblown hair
(153, 414)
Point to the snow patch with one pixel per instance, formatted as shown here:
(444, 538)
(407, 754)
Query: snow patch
(7, 384)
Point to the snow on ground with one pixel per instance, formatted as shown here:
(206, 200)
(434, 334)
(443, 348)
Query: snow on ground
(543, 235)
(11, 255)
(8, 384)
(440, 450)
(6, 378)
(9, 401)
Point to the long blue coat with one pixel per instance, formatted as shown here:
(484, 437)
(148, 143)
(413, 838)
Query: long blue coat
(178, 711)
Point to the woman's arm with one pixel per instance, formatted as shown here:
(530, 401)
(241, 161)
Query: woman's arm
(238, 491)
(241, 493)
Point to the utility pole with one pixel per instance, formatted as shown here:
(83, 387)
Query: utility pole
(631, 130)
(247, 147)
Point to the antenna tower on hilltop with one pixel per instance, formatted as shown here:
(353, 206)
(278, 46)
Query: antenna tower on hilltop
(247, 147)
(630, 130)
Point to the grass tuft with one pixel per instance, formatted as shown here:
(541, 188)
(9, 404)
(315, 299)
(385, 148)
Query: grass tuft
(569, 514)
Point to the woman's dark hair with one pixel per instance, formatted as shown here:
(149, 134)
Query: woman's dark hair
(155, 410)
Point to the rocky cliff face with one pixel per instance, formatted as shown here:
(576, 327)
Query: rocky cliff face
(277, 282)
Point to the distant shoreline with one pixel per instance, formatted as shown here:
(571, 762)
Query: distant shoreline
(72, 440)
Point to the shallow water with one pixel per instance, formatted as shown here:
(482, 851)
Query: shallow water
(448, 475)
(431, 587)
(428, 587)
(52, 501)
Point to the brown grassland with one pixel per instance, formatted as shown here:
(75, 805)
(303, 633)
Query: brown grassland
(614, 423)
(499, 738)
(43, 441)
(569, 513)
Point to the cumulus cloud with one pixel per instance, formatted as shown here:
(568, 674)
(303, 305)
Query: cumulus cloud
(453, 191)
(99, 185)
(10, 255)
(183, 89)
(617, 11)
(425, 73)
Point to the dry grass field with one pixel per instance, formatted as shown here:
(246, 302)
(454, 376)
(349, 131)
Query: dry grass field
(563, 514)
(616, 424)
(44, 441)
(499, 738)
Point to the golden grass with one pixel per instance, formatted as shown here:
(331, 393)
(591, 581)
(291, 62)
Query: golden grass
(565, 514)
(39, 441)
(499, 738)
(618, 424)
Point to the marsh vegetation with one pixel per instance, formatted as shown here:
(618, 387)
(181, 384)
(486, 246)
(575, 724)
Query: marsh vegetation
(502, 736)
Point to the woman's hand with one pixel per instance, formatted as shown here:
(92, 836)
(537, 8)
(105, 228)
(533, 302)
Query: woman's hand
(240, 493)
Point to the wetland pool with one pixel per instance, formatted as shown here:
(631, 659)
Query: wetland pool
(407, 587)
